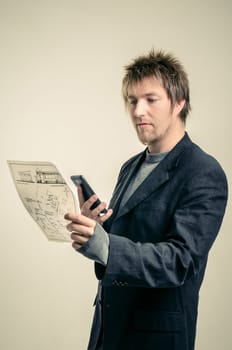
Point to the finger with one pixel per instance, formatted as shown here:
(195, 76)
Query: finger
(80, 219)
(80, 229)
(76, 245)
(77, 238)
(85, 205)
(80, 196)
(88, 204)
(99, 209)
(102, 218)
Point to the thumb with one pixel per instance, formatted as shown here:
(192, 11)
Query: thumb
(80, 196)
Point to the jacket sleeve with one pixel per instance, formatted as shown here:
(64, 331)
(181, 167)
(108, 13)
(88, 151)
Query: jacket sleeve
(194, 227)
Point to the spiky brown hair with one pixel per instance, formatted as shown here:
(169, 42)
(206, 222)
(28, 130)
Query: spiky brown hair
(163, 66)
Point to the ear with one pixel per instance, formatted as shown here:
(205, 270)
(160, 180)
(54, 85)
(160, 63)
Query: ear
(179, 105)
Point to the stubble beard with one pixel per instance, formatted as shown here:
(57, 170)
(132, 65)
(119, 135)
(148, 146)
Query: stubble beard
(148, 138)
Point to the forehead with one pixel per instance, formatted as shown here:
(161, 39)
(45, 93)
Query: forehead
(148, 85)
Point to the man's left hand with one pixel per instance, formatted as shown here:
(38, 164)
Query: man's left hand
(81, 228)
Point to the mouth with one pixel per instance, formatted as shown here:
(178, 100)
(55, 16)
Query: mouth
(143, 125)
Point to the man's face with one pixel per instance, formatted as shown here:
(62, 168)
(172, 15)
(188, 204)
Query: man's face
(156, 121)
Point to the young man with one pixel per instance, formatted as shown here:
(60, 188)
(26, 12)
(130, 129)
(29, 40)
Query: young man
(151, 247)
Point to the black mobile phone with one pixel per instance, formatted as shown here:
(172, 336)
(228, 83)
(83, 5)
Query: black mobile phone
(79, 180)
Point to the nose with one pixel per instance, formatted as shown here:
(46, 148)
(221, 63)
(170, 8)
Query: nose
(139, 109)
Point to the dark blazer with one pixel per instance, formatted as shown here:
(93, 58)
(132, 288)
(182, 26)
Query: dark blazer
(159, 244)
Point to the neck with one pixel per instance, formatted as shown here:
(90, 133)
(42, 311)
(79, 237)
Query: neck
(167, 142)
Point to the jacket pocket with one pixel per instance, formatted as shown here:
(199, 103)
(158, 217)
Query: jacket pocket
(160, 321)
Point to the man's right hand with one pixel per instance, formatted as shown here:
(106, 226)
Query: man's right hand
(95, 213)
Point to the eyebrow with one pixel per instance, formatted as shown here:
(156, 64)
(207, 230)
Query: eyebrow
(145, 95)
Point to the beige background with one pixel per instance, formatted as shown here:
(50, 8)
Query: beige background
(61, 64)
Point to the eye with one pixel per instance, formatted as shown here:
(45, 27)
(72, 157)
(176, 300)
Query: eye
(151, 100)
(132, 102)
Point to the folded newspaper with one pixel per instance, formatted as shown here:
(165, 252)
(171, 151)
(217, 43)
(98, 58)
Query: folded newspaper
(46, 196)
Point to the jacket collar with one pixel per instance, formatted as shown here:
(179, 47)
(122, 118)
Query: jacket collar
(161, 174)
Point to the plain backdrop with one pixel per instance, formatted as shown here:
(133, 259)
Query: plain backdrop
(61, 65)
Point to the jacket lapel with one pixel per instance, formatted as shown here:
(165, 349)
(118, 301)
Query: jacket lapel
(161, 174)
(157, 177)
(126, 178)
